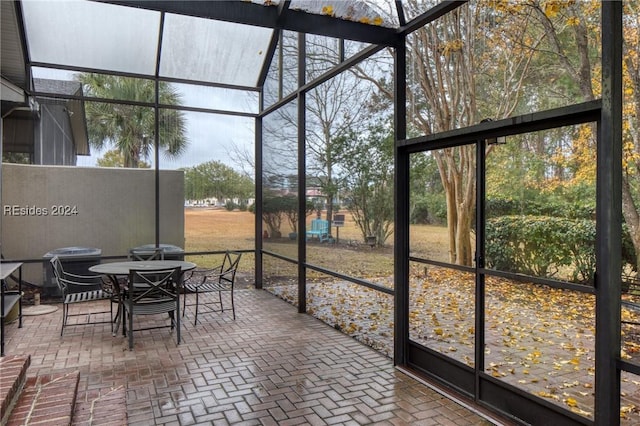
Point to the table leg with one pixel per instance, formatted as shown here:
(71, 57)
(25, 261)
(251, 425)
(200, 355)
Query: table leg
(118, 293)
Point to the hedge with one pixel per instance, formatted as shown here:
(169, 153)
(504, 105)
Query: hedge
(546, 246)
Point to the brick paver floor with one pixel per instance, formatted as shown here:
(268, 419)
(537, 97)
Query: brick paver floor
(271, 366)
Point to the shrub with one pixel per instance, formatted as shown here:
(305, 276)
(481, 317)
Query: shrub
(542, 245)
(496, 207)
(420, 211)
(230, 205)
(272, 213)
(429, 209)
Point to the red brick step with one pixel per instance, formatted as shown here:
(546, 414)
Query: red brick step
(13, 374)
(104, 407)
(47, 399)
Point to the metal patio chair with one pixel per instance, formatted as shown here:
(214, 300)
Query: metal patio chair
(152, 292)
(147, 254)
(76, 289)
(219, 279)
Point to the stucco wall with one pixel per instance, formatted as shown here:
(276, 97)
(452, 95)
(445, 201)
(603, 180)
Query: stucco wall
(107, 208)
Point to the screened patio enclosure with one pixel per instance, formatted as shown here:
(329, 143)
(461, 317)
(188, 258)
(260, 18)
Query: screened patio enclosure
(465, 158)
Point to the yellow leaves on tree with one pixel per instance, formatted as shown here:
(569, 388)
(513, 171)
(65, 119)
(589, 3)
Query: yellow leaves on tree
(446, 49)
(551, 8)
(573, 21)
(584, 156)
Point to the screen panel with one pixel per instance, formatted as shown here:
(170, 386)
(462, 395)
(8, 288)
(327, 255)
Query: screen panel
(349, 175)
(540, 207)
(442, 311)
(542, 340)
(280, 181)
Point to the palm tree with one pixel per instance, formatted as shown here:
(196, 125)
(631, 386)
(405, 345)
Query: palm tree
(130, 129)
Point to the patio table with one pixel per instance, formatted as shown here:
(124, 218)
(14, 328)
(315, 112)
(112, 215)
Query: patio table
(114, 270)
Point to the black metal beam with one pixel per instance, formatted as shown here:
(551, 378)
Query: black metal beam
(400, 10)
(530, 279)
(500, 397)
(348, 63)
(338, 28)
(558, 117)
(351, 279)
(332, 273)
(271, 50)
(431, 15)
(481, 191)
(508, 399)
(259, 199)
(243, 12)
(629, 366)
(401, 185)
(302, 175)
(343, 66)
(609, 221)
(25, 51)
(156, 145)
(441, 368)
(273, 45)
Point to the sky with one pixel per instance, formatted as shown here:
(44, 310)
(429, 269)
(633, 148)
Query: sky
(211, 136)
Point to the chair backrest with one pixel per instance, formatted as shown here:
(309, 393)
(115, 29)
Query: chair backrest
(147, 254)
(56, 265)
(153, 286)
(73, 283)
(320, 225)
(229, 267)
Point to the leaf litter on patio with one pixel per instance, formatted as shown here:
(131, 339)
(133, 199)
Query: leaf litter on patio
(537, 338)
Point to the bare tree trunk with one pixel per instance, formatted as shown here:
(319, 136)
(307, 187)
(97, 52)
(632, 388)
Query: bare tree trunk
(632, 146)
(631, 216)
(447, 84)
(467, 207)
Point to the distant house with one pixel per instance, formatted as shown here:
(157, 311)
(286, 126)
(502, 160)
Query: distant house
(315, 196)
(45, 129)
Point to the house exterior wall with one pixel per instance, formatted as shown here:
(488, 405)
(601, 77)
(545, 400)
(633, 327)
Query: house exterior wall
(113, 209)
(53, 137)
(47, 136)
(17, 134)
